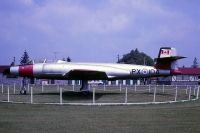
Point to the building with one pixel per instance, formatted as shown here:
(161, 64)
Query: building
(190, 76)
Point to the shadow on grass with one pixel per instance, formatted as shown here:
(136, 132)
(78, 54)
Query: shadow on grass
(70, 95)
(160, 94)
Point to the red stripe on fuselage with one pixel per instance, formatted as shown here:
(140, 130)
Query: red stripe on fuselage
(26, 70)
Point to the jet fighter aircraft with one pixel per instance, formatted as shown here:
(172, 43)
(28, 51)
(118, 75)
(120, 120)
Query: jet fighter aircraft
(165, 65)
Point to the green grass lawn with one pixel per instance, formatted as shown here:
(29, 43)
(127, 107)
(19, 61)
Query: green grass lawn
(164, 118)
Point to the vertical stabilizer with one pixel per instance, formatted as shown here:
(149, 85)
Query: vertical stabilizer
(167, 59)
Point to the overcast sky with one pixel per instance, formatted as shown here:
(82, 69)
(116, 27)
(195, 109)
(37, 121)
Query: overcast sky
(97, 30)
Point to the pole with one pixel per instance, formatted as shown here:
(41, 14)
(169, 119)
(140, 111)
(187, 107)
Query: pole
(135, 88)
(14, 88)
(149, 88)
(73, 87)
(120, 87)
(163, 89)
(31, 95)
(104, 87)
(42, 88)
(197, 97)
(93, 96)
(8, 93)
(154, 95)
(176, 94)
(2, 88)
(194, 90)
(28, 87)
(189, 93)
(61, 102)
(126, 97)
(186, 90)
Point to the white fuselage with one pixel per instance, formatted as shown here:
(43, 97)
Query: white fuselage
(91, 71)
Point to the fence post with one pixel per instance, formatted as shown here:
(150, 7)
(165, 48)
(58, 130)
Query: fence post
(14, 88)
(149, 88)
(154, 95)
(28, 88)
(8, 93)
(42, 88)
(189, 93)
(194, 90)
(135, 88)
(93, 101)
(163, 89)
(126, 95)
(176, 94)
(2, 88)
(61, 102)
(73, 87)
(186, 91)
(197, 97)
(31, 95)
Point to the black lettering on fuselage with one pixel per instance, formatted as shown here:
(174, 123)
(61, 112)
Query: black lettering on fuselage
(135, 71)
(144, 71)
(138, 71)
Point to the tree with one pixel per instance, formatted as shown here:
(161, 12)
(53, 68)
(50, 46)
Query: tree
(25, 58)
(136, 57)
(195, 63)
(69, 59)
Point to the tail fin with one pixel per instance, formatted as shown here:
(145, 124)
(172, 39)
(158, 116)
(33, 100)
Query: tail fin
(167, 59)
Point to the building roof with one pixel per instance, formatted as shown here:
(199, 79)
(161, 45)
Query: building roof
(190, 71)
(2, 68)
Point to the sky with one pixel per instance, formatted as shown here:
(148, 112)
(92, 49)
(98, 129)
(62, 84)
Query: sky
(97, 30)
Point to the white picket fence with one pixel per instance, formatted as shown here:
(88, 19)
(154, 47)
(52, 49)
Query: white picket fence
(12, 91)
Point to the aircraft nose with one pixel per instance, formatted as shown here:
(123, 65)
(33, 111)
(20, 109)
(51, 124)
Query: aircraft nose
(14, 70)
(6, 71)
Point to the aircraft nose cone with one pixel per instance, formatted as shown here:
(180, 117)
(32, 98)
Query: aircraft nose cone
(14, 70)
(6, 71)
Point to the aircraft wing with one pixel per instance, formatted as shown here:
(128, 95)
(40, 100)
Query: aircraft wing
(86, 74)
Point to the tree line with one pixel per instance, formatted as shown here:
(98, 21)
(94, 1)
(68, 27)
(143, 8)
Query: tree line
(133, 57)
(136, 57)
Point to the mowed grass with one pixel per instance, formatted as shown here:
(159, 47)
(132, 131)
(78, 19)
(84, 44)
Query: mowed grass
(164, 118)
